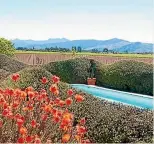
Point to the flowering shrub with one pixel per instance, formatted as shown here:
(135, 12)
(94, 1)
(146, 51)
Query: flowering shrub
(106, 122)
(27, 115)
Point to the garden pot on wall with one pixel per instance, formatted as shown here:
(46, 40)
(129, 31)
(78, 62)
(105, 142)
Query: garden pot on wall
(91, 81)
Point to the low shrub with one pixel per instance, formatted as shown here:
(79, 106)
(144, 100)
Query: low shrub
(9, 64)
(128, 76)
(106, 122)
(3, 74)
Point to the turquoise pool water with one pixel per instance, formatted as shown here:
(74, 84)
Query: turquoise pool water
(137, 100)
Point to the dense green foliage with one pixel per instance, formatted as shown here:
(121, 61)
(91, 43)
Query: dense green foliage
(6, 47)
(127, 76)
(70, 71)
(9, 64)
(106, 122)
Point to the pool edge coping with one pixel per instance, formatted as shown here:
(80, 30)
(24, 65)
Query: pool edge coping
(141, 95)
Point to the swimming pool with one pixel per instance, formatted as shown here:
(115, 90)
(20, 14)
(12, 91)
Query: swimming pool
(137, 100)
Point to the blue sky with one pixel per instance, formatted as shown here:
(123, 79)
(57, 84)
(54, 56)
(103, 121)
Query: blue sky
(76, 19)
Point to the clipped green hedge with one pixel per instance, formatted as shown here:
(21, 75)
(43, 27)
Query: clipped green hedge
(106, 122)
(129, 76)
(70, 71)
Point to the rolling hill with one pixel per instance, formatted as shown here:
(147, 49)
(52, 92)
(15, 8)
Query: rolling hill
(115, 44)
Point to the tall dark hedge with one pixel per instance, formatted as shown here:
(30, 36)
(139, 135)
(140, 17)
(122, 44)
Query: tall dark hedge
(70, 71)
(127, 76)
(107, 122)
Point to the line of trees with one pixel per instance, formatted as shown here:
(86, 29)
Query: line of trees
(52, 49)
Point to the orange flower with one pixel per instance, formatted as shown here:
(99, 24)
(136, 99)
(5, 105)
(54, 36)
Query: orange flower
(57, 100)
(53, 88)
(85, 141)
(47, 108)
(63, 127)
(56, 92)
(68, 115)
(29, 139)
(56, 119)
(15, 105)
(15, 77)
(55, 79)
(79, 98)
(66, 121)
(31, 94)
(68, 101)
(61, 103)
(23, 94)
(70, 92)
(78, 138)
(25, 109)
(23, 130)
(44, 117)
(20, 122)
(66, 138)
(30, 107)
(5, 112)
(33, 123)
(44, 80)
(17, 92)
(37, 140)
(81, 129)
(21, 140)
(53, 111)
(1, 123)
(83, 121)
(30, 88)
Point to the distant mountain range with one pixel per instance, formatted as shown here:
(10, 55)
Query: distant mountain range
(114, 44)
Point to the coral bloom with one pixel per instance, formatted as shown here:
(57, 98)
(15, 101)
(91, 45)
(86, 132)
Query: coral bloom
(79, 98)
(61, 103)
(30, 88)
(31, 94)
(15, 77)
(81, 129)
(66, 138)
(23, 94)
(55, 79)
(37, 140)
(56, 119)
(21, 140)
(44, 117)
(70, 92)
(1, 123)
(68, 101)
(44, 80)
(53, 88)
(23, 130)
(29, 139)
(33, 123)
(83, 121)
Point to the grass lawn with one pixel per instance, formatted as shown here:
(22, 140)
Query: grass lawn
(88, 53)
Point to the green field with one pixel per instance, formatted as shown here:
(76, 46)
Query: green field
(88, 53)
